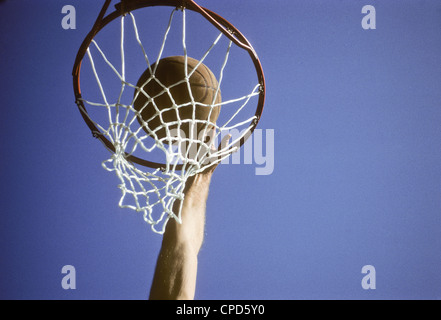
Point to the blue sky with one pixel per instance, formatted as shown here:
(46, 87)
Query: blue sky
(357, 151)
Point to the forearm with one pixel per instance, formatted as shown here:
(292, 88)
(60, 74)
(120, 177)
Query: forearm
(175, 275)
(193, 211)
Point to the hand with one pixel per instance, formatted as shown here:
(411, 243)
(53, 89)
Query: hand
(210, 159)
(203, 178)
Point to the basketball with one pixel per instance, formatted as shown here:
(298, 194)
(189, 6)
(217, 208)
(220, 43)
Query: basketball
(170, 72)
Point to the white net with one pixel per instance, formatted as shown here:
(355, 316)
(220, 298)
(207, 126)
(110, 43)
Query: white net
(154, 191)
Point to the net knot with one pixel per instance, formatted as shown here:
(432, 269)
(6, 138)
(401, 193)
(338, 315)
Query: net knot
(119, 155)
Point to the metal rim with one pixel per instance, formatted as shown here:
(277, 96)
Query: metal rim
(126, 6)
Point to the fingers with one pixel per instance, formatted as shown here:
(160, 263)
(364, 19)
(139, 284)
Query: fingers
(212, 140)
(212, 160)
(225, 141)
(222, 145)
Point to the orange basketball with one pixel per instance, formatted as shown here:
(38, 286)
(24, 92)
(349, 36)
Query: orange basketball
(169, 71)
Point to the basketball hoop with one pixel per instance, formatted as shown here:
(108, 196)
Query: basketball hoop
(154, 185)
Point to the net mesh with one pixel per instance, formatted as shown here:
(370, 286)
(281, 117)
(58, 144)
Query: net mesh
(154, 192)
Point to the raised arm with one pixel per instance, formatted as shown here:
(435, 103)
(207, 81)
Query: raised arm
(176, 269)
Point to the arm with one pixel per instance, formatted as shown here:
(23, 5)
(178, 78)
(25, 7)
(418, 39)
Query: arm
(176, 269)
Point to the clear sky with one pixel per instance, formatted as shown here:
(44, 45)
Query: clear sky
(356, 116)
